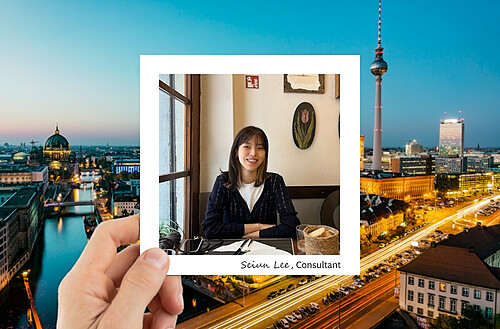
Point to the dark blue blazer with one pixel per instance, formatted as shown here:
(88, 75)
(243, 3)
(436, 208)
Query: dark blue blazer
(227, 211)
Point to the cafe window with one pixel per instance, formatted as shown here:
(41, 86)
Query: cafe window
(179, 151)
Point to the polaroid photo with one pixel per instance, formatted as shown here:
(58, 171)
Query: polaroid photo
(245, 165)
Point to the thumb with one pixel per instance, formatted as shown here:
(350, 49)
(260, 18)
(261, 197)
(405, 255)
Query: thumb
(138, 287)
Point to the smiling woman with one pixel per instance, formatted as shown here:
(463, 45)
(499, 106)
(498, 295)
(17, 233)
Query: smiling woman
(245, 199)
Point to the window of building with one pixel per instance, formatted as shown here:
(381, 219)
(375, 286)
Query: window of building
(442, 300)
(477, 308)
(453, 305)
(431, 285)
(411, 280)
(421, 283)
(420, 311)
(453, 289)
(430, 314)
(465, 292)
(442, 287)
(420, 297)
(410, 308)
(430, 300)
(179, 142)
(488, 313)
(489, 296)
(477, 294)
(410, 295)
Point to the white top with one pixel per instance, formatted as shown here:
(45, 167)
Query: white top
(250, 193)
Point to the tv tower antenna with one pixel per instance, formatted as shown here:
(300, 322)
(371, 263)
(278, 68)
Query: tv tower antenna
(378, 69)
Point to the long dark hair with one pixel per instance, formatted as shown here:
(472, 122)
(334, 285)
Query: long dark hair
(234, 172)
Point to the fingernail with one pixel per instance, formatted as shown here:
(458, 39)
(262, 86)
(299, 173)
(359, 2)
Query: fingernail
(156, 257)
(181, 300)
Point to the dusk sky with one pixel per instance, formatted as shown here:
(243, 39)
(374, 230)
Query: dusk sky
(77, 63)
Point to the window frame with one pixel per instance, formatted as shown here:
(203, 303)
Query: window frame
(191, 172)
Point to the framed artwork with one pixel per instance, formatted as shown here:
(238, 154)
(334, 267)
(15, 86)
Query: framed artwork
(304, 83)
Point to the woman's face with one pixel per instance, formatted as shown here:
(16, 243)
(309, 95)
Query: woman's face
(251, 155)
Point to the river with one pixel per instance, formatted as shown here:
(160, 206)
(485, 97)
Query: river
(57, 248)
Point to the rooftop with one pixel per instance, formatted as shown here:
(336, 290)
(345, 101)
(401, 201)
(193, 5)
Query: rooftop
(20, 168)
(5, 213)
(385, 175)
(483, 240)
(455, 264)
(22, 198)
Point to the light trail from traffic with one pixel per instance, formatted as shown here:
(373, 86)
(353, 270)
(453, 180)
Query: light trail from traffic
(256, 315)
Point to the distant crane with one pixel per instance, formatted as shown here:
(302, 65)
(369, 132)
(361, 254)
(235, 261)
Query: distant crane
(33, 143)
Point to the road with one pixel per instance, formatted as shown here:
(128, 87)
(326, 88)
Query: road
(353, 306)
(263, 314)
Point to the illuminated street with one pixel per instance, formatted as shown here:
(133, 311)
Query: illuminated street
(261, 313)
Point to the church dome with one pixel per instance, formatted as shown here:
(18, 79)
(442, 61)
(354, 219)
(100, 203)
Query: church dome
(57, 141)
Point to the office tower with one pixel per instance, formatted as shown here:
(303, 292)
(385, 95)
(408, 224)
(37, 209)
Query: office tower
(451, 137)
(378, 69)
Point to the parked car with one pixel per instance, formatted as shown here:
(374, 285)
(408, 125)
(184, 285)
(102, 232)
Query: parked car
(290, 318)
(297, 315)
(291, 286)
(314, 305)
(303, 282)
(281, 291)
(310, 309)
(325, 301)
(304, 312)
(285, 323)
(272, 294)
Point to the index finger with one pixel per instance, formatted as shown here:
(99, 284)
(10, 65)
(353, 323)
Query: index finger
(100, 251)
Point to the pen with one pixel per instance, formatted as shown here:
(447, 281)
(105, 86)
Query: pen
(238, 252)
(249, 244)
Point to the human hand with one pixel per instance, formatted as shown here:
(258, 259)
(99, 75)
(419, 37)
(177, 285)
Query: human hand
(265, 226)
(256, 234)
(106, 289)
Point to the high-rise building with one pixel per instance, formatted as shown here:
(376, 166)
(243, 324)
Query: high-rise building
(378, 69)
(412, 147)
(451, 137)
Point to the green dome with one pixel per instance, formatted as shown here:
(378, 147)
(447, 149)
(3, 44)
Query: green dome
(57, 141)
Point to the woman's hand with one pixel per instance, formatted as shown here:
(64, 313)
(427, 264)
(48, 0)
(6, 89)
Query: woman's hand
(254, 234)
(109, 290)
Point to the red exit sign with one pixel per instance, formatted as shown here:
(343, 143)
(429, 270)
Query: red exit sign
(252, 81)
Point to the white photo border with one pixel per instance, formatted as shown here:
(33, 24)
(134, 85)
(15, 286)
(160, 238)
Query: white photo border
(348, 66)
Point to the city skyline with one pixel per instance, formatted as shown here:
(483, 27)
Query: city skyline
(59, 68)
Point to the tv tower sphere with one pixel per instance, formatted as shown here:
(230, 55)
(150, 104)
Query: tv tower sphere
(379, 66)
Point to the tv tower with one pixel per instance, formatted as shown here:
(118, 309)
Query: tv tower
(378, 69)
